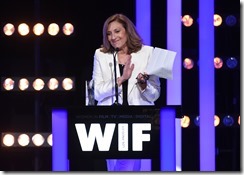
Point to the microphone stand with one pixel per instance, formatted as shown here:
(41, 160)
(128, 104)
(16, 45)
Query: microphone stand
(116, 103)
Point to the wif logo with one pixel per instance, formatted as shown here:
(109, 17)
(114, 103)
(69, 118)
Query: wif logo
(87, 139)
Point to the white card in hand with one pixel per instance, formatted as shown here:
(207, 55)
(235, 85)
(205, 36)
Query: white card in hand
(161, 63)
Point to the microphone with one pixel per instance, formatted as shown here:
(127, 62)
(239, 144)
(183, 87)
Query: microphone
(116, 103)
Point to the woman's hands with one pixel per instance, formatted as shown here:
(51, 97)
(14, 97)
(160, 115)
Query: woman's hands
(142, 80)
(128, 69)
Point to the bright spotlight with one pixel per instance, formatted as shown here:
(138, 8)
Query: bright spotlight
(217, 20)
(23, 29)
(8, 29)
(50, 139)
(38, 139)
(23, 140)
(52, 84)
(38, 29)
(67, 84)
(8, 140)
(185, 121)
(53, 29)
(8, 84)
(216, 120)
(68, 29)
(187, 20)
(218, 63)
(188, 63)
(38, 84)
(23, 84)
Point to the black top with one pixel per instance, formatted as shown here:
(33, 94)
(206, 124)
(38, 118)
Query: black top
(124, 86)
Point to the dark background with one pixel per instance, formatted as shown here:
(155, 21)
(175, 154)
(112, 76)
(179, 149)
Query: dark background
(73, 56)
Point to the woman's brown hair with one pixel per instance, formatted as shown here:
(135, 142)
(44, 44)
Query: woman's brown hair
(134, 41)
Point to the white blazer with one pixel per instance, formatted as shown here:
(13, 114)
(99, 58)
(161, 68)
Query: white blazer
(104, 83)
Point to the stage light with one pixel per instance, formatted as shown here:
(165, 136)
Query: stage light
(23, 84)
(38, 139)
(53, 84)
(197, 121)
(218, 63)
(216, 120)
(38, 84)
(228, 120)
(231, 62)
(68, 29)
(68, 84)
(217, 20)
(53, 29)
(188, 63)
(23, 140)
(8, 84)
(38, 29)
(185, 121)
(239, 120)
(8, 29)
(8, 140)
(26, 139)
(50, 139)
(23, 29)
(230, 20)
(187, 20)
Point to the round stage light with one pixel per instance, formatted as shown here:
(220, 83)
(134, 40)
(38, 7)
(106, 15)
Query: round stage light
(218, 63)
(38, 29)
(52, 84)
(23, 140)
(38, 139)
(67, 84)
(8, 84)
(53, 29)
(23, 84)
(231, 62)
(8, 140)
(228, 120)
(8, 29)
(38, 84)
(23, 29)
(188, 63)
(68, 29)
(50, 140)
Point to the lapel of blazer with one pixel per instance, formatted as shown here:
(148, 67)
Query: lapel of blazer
(132, 80)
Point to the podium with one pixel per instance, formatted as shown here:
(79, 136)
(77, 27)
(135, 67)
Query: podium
(105, 132)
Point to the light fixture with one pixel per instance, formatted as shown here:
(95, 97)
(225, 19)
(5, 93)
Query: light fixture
(188, 63)
(38, 84)
(23, 29)
(230, 20)
(218, 63)
(8, 29)
(38, 29)
(231, 62)
(217, 20)
(228, 121)
(28, 139)
(68, 29)
(216, 120)
(185, 121)
(197, 121)
(53, 29)
(187, 20)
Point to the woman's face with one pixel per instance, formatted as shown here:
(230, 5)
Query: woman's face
(117, 35)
